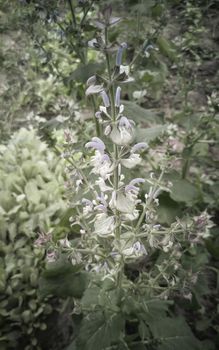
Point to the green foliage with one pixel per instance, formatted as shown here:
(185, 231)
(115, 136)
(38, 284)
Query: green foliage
(174, 334)
(31, 183)
(63, 280)
(99, 330)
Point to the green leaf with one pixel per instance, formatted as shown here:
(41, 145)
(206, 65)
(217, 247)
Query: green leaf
(168, 209)
(83, 72)
(153, 309)
(90, 297)
(32, 192)
(62, 279)
(149, 134)
(143, 330)
(184, 191)
(139, 114)
(174, 334)
(167, 48)
(99, 330)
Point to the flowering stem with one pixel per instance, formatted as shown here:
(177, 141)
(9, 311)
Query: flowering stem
(113, 115)
(97, 124)
(116, 157)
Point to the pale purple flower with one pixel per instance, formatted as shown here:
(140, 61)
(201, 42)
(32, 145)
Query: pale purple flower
(43, 239)
(98, 115)
(136, 250)
(139, 249)
(137, 180)
(51, 256)
(105, 98)
(101, 164)
(91, 80)
(96, 144)
(125, 123)
(119, 54)
(101, 198)
(131, 186)
(139, 146)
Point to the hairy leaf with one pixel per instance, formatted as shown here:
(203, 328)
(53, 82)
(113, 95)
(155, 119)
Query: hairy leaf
(98, 331)
(150, 134)
(174, 334)
(139, 114)
(62, 279)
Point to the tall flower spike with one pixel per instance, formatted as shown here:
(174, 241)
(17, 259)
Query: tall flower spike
(119, 54)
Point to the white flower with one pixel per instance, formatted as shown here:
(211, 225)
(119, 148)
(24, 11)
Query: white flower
(96, 144)
(136, 250)
(132, 190)
(102, 185)
(139, 147)
(104, 225)
(101, 165)
(78, 183)
(122, 203)
(132, 161)
(100, 161)
(88, 206)
(132, 216)
(65, 243)
(122, 134)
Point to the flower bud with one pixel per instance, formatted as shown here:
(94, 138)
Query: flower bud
(118, 94)
(119, 54)
(98, 115)
(105, 99)
(91, 80)
(107, 130)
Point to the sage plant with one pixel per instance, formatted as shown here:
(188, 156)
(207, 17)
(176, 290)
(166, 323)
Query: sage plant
(121, 240)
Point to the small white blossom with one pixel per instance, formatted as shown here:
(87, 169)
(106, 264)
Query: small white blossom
(122, 134)
(102, 185)
(104, 225)
(132, 161)
(101, 165)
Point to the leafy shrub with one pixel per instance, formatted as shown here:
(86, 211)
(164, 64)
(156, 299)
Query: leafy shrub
(31, 183)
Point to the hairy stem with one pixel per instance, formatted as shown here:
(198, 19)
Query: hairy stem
(97, 124)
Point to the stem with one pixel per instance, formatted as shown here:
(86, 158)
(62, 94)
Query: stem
(113, 114)
(185, 168)
(72, 14)
(97, 124)
(85, 13)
